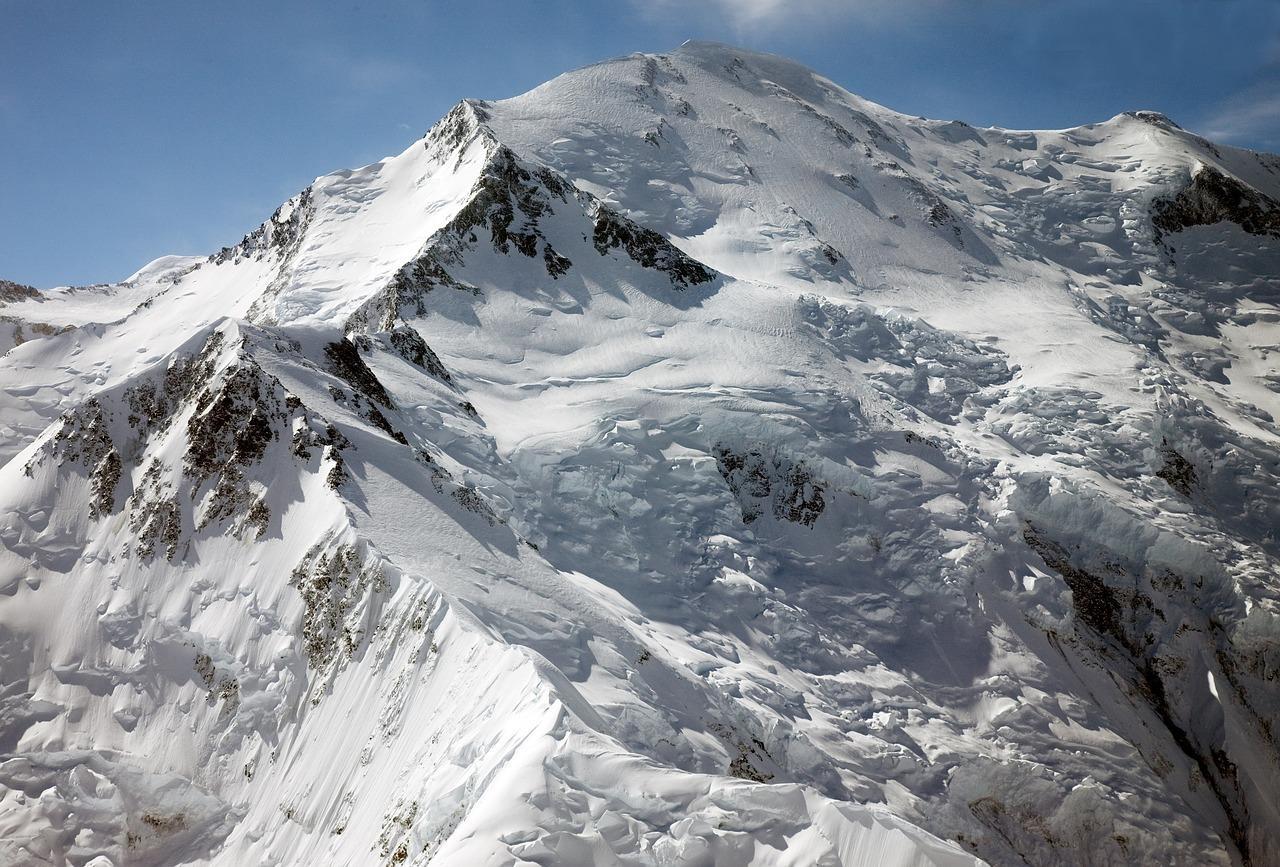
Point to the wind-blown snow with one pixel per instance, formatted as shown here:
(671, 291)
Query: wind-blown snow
(685, 462)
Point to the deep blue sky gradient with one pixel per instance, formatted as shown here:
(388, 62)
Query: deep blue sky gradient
(133, 129)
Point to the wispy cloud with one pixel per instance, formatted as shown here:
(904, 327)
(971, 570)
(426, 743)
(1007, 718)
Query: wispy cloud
(358, 73)
(1250, 118)
(750, 13)
(374, 73)
(754, 15)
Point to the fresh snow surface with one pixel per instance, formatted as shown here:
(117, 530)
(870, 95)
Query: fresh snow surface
(686, 462)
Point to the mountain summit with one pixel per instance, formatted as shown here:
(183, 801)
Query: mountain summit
(684, 462)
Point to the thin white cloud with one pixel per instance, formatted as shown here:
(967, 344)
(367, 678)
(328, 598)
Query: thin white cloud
(754, 12)
(374, 73)
(754, 15)
(357, 73)
(1249, 118)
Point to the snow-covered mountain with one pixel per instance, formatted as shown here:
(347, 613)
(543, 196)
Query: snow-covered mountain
(686, 462)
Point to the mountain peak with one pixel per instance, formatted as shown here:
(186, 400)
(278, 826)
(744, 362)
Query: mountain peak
(686, 425)
(1153, 117)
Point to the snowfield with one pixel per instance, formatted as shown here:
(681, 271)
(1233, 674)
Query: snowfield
(686, 462)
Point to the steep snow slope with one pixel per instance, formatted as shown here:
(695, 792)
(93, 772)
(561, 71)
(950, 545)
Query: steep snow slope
(684, 462)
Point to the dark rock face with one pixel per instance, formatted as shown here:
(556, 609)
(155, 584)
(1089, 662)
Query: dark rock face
(1154, 118)
(1095, 603)
(1179, 472)
(505, 188)
(466, 497)
(346, 363)
(507, 202)
(281, 233)
(408, 289)
(85, 439)
(22, 329)
(933, 209)
(1213, 197)
(332, 584)
(414, 349)
(236, 412)
(456, 127)
(1148, 627)
(10, 292)
(230, 430)
(557, 265)
(647, 248)
(788, 489)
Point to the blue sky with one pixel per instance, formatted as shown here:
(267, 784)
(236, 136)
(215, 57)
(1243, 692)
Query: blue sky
(133, 129)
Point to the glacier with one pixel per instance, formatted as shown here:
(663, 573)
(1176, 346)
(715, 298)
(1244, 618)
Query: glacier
(685, 462)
